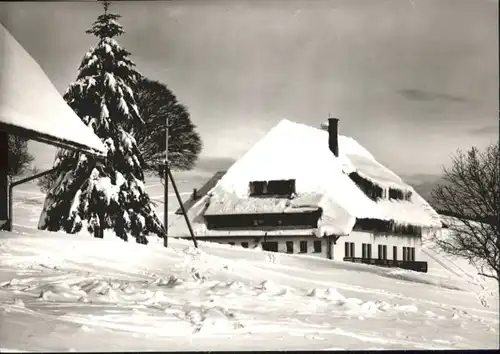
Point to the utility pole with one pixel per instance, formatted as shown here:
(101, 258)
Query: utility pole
(191, 232)
(168, 174)
(4, 181)
(165, 188)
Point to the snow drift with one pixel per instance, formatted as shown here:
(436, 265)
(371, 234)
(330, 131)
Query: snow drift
(74, 292)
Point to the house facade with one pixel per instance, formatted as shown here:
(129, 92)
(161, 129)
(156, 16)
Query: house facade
(311, 191)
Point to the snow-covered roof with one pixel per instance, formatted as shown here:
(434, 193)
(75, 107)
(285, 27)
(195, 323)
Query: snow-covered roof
(229, 204)
(372, 170)
(296, 151)
(334, 220)
(32, 107)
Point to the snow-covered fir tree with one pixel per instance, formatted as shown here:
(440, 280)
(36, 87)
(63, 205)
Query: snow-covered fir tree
(107, 194)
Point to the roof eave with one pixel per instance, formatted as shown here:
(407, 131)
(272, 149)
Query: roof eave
(51, 140)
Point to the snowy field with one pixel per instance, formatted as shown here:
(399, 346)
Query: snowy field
(62, 292)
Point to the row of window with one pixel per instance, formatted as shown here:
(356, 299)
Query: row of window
(303, 246)
(306, 220)
(375, 192)
(273, 246)
(366, 252)
(409, 254)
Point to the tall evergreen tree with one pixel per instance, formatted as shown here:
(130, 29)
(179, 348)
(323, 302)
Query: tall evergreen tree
(107, 194)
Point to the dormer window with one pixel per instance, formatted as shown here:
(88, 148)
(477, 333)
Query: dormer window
(399, 194)
(283, 188)
(371, 190)
(258, 188)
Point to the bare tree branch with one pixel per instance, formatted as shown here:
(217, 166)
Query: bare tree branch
(471, 194)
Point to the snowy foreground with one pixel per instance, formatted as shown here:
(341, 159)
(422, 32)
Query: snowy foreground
(62, 292)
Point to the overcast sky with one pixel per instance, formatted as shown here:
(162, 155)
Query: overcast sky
(411, 80)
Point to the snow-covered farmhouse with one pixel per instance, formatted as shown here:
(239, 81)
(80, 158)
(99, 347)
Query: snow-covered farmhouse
(307, 190)
(30, 106)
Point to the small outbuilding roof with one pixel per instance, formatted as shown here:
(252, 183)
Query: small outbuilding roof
(31, 106)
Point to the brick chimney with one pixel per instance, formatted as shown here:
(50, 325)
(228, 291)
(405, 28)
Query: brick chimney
(333, 135)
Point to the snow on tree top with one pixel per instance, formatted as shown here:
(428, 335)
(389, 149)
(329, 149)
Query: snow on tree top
(47, 119)
(111, 41)
(90, 62)
(107, 47)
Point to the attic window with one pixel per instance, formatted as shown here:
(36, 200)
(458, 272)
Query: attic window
(258, 188)
(371, 190)
(384, 226)
(274, 187)
(399, 194)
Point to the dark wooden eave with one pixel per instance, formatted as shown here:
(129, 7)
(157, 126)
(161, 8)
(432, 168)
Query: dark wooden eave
(188, 204)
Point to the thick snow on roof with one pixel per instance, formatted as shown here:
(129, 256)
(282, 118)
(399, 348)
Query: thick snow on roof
(230, 204)
(375, 172)
(296, 151)
(417, 211)
(300, 152)
(32, 107)
(334, 219)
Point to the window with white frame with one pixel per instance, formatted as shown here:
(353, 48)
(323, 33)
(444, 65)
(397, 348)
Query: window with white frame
(349, 249)
(382, 252)
(409, 254)
(366, 251)
(303, 246)
(317, 246)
